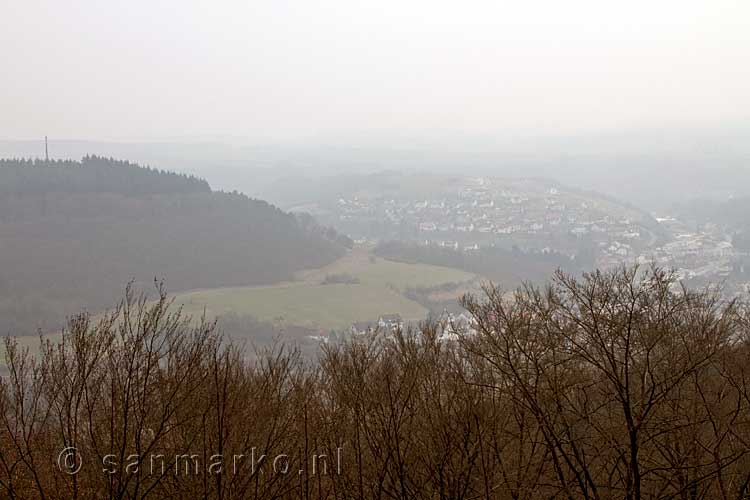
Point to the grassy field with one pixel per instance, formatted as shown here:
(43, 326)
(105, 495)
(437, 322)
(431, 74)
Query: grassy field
(306, 302)
(375, 271)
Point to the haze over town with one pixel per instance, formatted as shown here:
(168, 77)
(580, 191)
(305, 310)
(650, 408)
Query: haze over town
(471, 250)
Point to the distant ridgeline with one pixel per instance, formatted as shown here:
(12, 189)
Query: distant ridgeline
(92, 174)
(72, 234)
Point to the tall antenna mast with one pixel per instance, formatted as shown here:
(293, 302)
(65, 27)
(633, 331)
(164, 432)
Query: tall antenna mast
(46, 150)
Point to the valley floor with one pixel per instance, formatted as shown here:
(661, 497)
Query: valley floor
(377, 288)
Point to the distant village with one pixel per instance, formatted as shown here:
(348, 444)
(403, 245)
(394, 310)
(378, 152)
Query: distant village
(700, 256)
(468, 214)
(476, 212)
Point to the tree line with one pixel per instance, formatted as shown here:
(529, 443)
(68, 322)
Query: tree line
(617, 384)
(92, 174)
(501, 265)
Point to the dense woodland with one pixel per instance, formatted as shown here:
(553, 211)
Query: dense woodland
(617, 385)
(92, 174)
(507, 267)
(72, 233)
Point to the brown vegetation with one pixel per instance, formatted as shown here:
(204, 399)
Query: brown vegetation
(616, 385)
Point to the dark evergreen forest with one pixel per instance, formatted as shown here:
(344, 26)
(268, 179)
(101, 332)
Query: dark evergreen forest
(72, 234)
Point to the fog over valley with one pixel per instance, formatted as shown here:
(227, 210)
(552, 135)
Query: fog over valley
(375, 250)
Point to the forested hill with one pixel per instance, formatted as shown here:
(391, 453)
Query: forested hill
(92, 174)
(72, 234)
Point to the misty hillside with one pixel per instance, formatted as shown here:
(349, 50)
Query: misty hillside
(74, 233)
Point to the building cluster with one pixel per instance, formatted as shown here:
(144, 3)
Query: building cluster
(450, 327)
(472, 213)
(538, 216)
(700, 255)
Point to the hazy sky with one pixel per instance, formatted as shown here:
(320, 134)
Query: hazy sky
(283, 70)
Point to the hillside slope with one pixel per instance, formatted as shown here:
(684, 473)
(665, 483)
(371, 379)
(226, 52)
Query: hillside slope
(73, 233)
